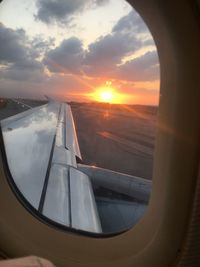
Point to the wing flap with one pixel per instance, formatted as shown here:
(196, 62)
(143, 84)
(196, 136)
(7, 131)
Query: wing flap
(84, 210)
(56, 205)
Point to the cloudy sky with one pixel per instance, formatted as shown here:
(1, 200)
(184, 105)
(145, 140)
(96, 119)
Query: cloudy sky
(69, 49)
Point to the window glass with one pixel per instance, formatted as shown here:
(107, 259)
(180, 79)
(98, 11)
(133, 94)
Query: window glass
(79, 88)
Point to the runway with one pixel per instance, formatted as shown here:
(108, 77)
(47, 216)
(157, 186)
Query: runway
(120, 138)
(128, 144)
(117, 138)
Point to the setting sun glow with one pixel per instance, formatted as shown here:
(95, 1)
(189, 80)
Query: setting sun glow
(107, 94)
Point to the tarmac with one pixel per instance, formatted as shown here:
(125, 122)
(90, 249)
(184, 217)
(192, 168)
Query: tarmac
(115, 137)
(119, 138)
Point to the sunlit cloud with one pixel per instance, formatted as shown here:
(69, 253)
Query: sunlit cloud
(119, 66)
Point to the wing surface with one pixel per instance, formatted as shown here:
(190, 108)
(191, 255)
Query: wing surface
(42, 152)
(45, 163)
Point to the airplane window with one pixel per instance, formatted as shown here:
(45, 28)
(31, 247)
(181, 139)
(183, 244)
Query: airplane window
(78, 103)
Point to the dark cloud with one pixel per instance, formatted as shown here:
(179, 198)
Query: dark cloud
(24, 60)
(143, 68)
(11, 45)
(131, 23)
(41, 46)
(61, 10)
(18, 60)
(109, 50)
(67, 58)
(104, 57)
(24, 70)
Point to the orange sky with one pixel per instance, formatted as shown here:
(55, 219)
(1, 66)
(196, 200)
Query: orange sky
(99, 52)
(123, 92)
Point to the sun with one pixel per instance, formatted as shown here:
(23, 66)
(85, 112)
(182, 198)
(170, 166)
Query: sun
(106, 96)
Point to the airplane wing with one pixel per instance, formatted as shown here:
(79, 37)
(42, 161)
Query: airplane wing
(43, 159)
